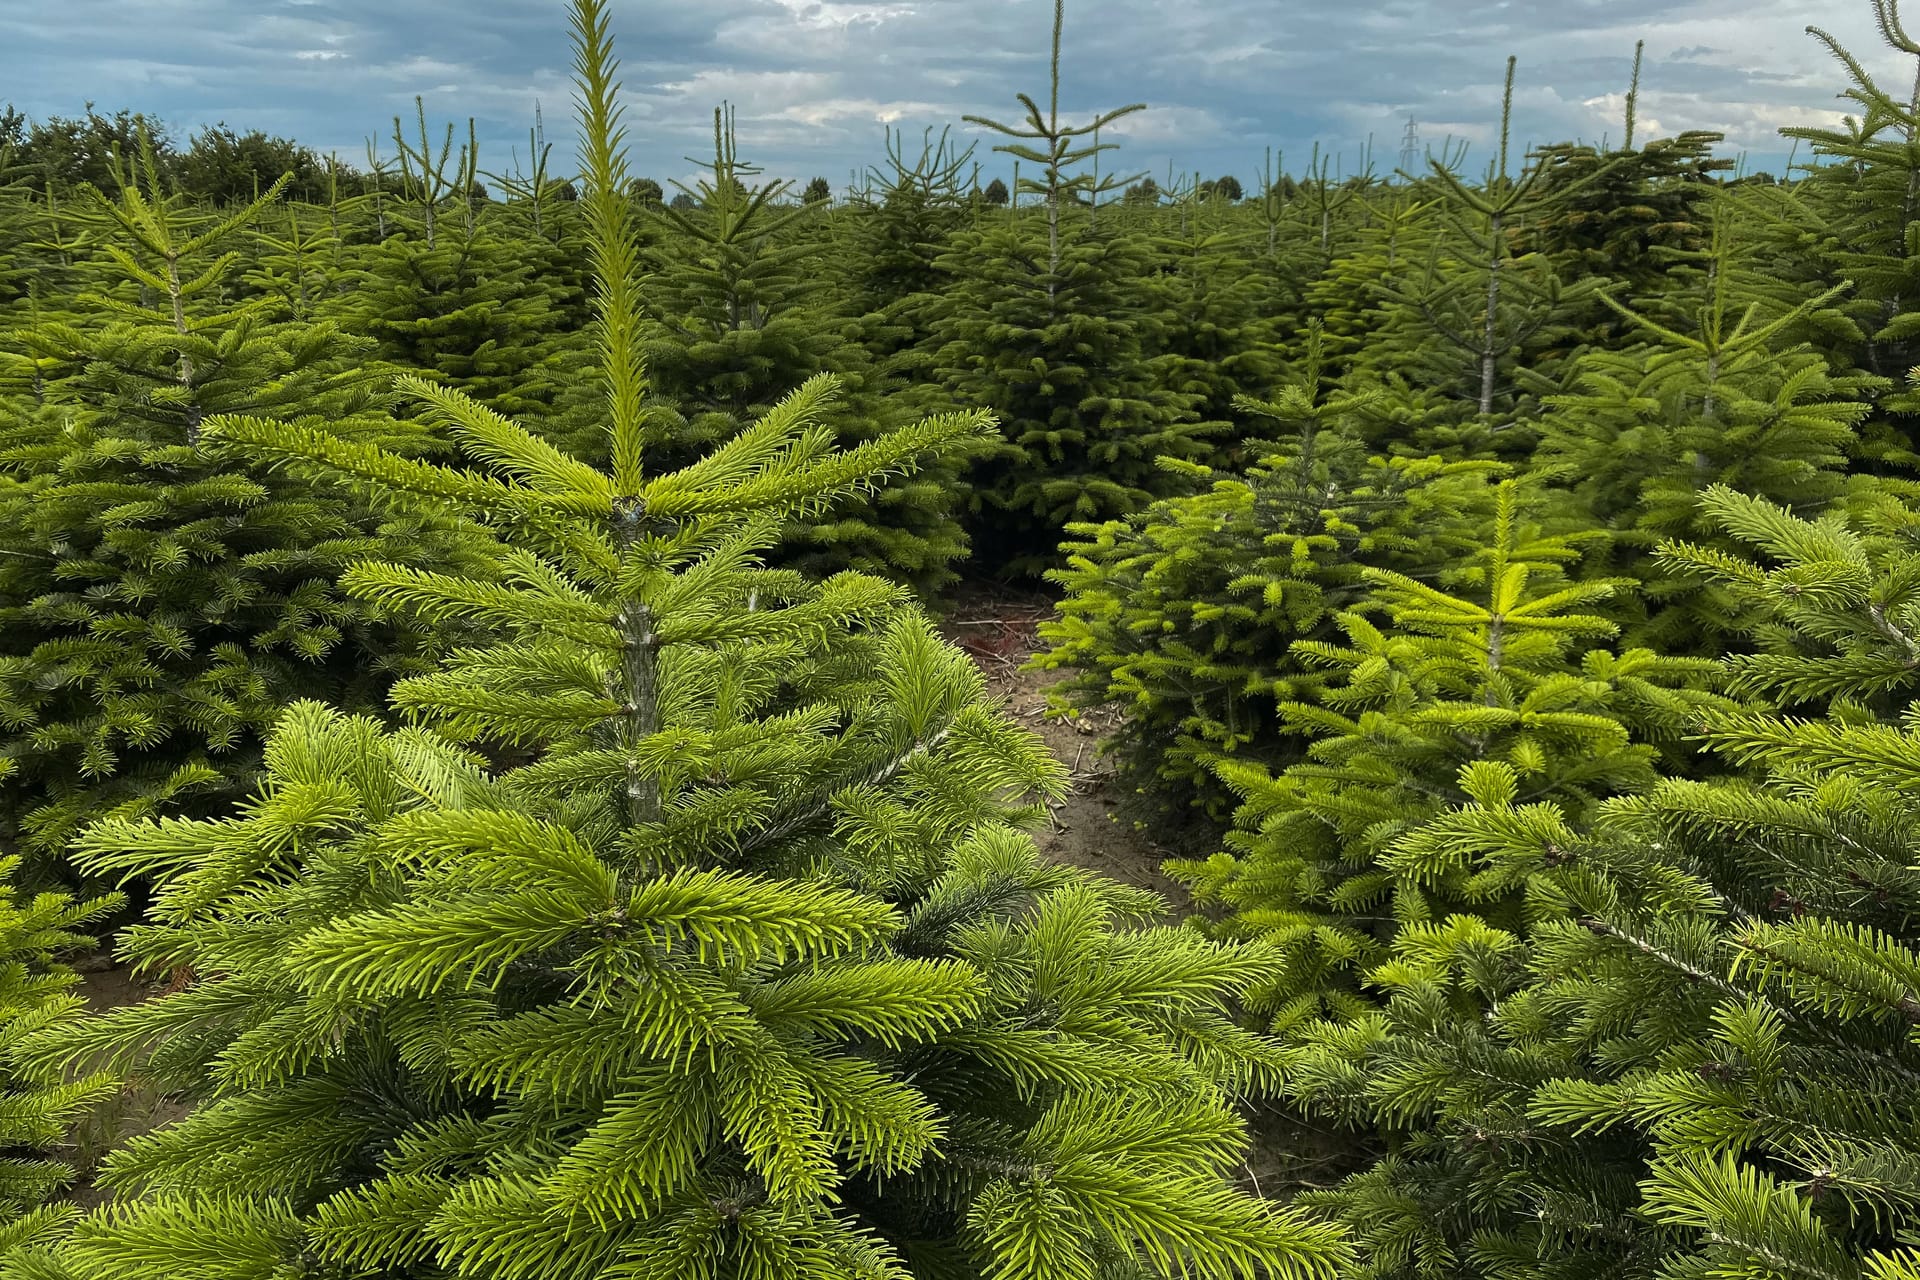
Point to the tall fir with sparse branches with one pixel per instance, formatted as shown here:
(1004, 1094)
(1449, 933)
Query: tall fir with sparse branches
(1041, 321)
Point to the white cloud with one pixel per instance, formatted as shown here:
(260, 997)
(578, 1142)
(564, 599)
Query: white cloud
(811, 13)
(869, 110)
(1166, 126)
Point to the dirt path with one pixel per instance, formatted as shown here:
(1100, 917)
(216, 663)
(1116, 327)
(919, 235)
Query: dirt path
(106, 986)
(1000, 630)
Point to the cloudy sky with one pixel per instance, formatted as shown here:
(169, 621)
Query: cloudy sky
(814, 82)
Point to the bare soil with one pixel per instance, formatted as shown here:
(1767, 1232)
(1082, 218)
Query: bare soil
(108, 985)
(999, 629)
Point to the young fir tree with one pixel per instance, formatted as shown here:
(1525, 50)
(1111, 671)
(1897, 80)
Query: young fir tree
(17, 214)
(449, 292)
(1854, 217)
(745, 976)
(1347, 301)
(48, 258)
(37, 1113)
(1714, 396)
(1698, 1060)
(1613, 214)
(301, 266)
(1044, 322)
(888, 247)
(1184, 616)
(163, 596)
(737, 318)
(1357, 299)
(1334, 855)
(1218, 345)
(1310, 223)
(1464, 318)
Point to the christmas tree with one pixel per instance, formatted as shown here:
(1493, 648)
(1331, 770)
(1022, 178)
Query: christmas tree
(735, 323)
(1852, 219)
(164, 596)
(1713, 395)
(1040, 323)
(1445, 696)
(1185, 615)
(449, 291)
(1693, 1059)
(38, 1111)
(1470, 312)
(746, 975)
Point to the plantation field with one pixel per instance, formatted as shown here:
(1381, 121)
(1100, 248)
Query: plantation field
(1061, 727)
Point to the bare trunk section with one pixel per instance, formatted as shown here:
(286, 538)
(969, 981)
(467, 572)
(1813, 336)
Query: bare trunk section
(639, 678)
(1488, 351)
(186, 361)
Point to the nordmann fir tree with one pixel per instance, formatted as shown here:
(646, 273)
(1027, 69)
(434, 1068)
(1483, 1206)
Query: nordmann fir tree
(890, 244)
(1042, 322)
(1698, 1058)
(447, 292)
(1347, 299)
(746, 976)
(17, 214)
(1471, 313)
(1446, 695)
(303, 266)
(1218, 344)
(1855, 216)
(735, 321)
(163, 595)
(1185, 614)
(1714, 394)
(37, 1113)
(1606, 214)
(727, 332)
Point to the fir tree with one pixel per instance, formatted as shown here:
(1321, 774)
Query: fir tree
(447, 291)
(1854, 218)
(745, 976)
(16, 215)
(729, 328)
(1697, 1058)
(36, 995)
(1040, 325)
(1184, 616)
(1471, 313)
(737, 319)
(164, 596)
(1217, 344)
(1714, 397)
(1348, 302)
(540, 192)
(890, 248)
(1615, 216)
(1447, 696)
(1310, 222)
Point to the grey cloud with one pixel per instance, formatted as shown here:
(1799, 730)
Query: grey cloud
(815, 81)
